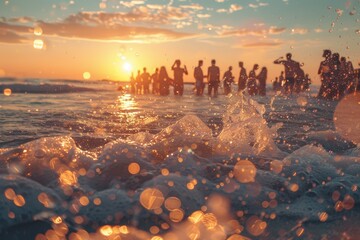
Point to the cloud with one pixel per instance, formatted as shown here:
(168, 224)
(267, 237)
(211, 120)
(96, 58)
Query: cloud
(318, 30)
(73, 29)
(254, 31)
(11, 37)
(130, 4)
(193, 6)
(21, 20)
(203, 15)
(261, 4)
(221, 10)
(300, 31)
(138, 14)
(261, 44)
(235, 7)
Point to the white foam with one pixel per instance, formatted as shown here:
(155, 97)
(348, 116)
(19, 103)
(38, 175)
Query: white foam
(28, 209)
(245, 131)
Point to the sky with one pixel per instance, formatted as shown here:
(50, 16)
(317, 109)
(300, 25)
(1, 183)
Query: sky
(108, 39)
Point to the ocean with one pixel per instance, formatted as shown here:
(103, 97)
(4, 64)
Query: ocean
(81, 160)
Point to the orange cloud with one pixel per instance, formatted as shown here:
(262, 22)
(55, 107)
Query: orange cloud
(11, 37)
(261, 44)
(71, 28)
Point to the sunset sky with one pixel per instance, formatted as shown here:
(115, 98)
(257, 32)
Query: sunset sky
(64, 39)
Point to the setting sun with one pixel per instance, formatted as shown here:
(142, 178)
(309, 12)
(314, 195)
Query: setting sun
(127, 67)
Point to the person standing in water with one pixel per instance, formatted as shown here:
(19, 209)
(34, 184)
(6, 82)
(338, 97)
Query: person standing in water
(179, 77)
(325, 73)
(138, 83)
(262, 81)
(228, 80)
(132, 83)
(290, 66)
(242, 77)
(252, 82)
(145, 76)
(155, 81)
(199, 79)
(213, 78)
(164, 82)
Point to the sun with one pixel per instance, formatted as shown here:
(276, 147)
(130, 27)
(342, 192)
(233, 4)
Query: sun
(127, 67)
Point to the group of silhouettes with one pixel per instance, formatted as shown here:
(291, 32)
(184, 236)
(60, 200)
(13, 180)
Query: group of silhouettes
(337, 78)
(161, 82)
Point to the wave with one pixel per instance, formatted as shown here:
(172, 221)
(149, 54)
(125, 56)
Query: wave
(179, 183)
(44, 88)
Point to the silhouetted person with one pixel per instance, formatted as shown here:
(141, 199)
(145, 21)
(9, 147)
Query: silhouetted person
(333, 91)
(138, 83)
(276, 84)
(132, 84)
(199, 79)
(228, 80)
(155, 82)
(179, 77)
(344, 77)
(299, 79)
(242, 77)
(325, 73)
(307, 83)
(213, 78)
(145, 76)
(252, 81)
(351, 78)
(290, 66)
(164, 82)
(262, 81)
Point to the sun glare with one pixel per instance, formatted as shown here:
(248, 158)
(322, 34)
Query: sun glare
(127, 67)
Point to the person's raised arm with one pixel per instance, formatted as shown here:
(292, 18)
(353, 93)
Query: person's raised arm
(173, 66)
(279, 60)
(185, 70)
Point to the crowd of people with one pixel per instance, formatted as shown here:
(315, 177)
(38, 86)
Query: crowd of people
(337, 78)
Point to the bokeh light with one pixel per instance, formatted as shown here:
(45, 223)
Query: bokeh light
(245, 171)
(151, 198)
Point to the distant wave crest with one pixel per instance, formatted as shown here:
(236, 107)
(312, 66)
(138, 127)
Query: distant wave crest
(44, 88)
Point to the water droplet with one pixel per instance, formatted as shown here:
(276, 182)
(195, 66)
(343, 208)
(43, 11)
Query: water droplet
(151, 198)
(7, 92)
(245, 171)
(106, 230)
(134, 168)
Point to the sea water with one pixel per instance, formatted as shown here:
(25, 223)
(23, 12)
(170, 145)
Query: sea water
(80, 160)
